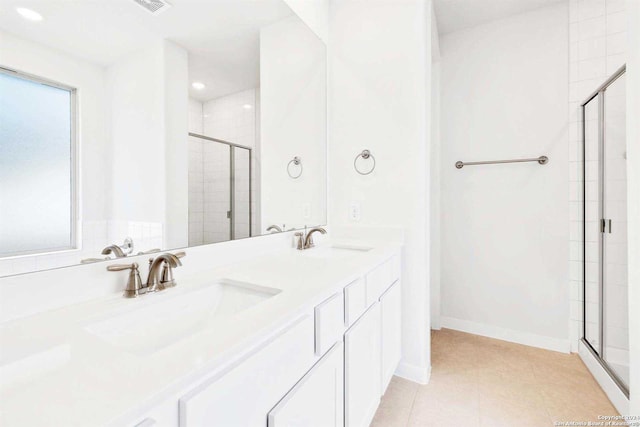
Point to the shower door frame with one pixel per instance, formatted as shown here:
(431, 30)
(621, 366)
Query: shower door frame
(598, 354)
(232, 184)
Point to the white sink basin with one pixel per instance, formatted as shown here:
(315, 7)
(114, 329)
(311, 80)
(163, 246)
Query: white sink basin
(336, 251)
(17, 367)
(159, 320)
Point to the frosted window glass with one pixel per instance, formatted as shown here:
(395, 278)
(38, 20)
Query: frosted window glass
(36, 166)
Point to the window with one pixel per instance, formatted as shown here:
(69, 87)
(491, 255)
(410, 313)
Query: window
(37, 165)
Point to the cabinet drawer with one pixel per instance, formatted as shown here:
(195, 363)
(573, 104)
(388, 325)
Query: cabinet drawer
(244, 394)
(329, 323)
(317, 400)
(378, 281)
(355, 301)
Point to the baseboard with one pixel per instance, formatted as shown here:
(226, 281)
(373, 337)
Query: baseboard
(533, 340)
(417, 374)
(610, 388)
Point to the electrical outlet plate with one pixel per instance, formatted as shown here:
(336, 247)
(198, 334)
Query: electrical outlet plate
(354, 211)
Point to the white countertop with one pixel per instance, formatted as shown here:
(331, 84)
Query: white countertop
(54, 372)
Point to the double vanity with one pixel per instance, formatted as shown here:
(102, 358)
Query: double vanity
(295, 337)
(256, 325)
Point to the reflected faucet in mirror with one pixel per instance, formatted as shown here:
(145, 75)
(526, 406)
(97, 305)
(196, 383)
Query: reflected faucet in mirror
(115, 249)
(120, 251)
(275, 229)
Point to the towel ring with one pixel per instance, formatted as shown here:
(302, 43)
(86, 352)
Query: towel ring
(297, 161)
(365, 154)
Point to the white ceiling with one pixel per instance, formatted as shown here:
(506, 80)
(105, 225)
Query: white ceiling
(455, 15)
(222, 36)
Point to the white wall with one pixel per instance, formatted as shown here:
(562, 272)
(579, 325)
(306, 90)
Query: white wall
(148, 105)
(314, 13)
(633, 192)
(176, 126)
(379, 91)
(32, 58)
(504, 227)
(196, 118)
(293, 123)
(135, 87)
(434, 244)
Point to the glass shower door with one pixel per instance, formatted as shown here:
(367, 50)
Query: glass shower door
(220, 190)
(241, 208)
(592, 215)
(614, 237)
(605, 228)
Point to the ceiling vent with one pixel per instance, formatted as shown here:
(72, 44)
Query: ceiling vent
(155, 7)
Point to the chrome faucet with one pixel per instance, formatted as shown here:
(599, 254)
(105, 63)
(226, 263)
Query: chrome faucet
(308, 240)
(305, 240)
(168, 261)
(156, 281)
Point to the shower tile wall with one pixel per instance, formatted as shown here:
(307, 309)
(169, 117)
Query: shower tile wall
(196, 175)
(196, 192)
(217, 187)
(597, 43)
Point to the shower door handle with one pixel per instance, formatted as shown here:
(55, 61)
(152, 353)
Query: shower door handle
(604, 223)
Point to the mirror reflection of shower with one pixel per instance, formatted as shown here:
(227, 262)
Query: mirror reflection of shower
(223, 145)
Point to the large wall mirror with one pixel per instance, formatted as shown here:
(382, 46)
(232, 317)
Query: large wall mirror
(133, 126)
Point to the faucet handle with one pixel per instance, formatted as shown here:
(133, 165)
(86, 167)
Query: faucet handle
(180, 254)
(300, 240)
(134, 286)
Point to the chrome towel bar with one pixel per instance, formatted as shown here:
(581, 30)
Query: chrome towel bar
(543, 160)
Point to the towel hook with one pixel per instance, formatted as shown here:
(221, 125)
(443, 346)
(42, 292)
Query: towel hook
(365, 154)
(297, 161)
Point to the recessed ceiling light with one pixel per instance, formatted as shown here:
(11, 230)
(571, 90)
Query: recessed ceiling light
(198, 85)
(247, 106)
(29, 14)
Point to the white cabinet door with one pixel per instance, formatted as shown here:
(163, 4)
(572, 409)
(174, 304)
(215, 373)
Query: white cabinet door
(362, 369)
(391, 326)
(244, 395)
(317, 400)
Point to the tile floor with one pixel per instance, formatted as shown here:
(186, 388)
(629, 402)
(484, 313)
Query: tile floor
(478, 381)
